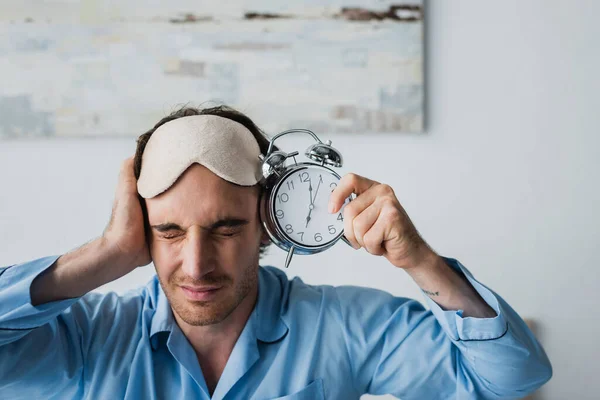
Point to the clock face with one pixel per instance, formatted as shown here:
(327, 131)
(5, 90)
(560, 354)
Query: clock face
(300, 207)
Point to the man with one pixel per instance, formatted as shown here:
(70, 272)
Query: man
(215, 324)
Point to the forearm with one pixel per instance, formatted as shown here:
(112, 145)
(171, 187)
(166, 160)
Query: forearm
(447, 287)
(78, 272)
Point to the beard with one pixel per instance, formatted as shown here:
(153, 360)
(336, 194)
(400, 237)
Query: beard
(229, 296)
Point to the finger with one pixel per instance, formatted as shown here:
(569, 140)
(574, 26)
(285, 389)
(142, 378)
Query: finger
(360, 203)
(373, 239)
(364, 221)
(350, 183)
(348, 230)
(351, 211)
(127, 168)
(127, 182)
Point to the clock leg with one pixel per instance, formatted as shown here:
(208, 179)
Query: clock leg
(288, 259)
(347, 241)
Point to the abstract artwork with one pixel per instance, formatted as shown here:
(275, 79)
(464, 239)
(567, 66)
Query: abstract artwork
(100, 68)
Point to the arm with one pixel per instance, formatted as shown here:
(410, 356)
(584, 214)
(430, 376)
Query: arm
(45, 348)
(46, 327)
(120, 249)
(449, 288)
(33, 339)
(79, 272)
(489, 350)
(398, 347)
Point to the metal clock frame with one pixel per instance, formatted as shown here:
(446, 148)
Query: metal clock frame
(281, 236)
(275, 172)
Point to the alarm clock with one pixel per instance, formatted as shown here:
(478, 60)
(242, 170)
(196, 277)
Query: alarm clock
(293, 206)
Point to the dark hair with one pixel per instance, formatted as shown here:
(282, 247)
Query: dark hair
(185, 111)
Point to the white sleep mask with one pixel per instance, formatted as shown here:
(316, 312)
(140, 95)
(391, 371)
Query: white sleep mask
(224, 146)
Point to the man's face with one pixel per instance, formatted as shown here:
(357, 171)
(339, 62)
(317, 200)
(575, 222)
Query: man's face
(205, 234)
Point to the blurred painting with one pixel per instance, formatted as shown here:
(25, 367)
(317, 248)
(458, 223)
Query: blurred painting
(101, 68)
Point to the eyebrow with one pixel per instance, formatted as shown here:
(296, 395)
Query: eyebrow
(225, 222)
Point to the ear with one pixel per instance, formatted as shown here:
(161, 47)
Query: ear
(265, 238)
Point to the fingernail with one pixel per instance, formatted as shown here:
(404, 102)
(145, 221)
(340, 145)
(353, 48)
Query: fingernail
(330, 207)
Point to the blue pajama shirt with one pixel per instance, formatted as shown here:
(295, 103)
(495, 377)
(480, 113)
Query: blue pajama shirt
(301, 342)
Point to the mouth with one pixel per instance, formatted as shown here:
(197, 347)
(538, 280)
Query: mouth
(205, 293)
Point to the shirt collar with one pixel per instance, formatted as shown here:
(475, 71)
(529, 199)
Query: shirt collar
(267, 315)
(162, 320)
(266, 318)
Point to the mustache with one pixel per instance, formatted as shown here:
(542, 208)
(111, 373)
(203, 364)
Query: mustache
(206, 280)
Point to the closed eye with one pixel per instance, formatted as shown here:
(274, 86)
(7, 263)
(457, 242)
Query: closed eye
(228, 233)
(223, 233)
(170, 236)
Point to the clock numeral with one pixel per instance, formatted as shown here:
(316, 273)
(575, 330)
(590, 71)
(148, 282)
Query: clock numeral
(301, 235)
(279, 214)
(283, 198)
(318, 237)
(290, 185)
(340, 217)
(288, 228)
(304, 177)
(332, 230)
(333, 185)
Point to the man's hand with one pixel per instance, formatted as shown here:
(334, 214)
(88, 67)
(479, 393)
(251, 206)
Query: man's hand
(376, 221)
(121, 249)
(125, 231)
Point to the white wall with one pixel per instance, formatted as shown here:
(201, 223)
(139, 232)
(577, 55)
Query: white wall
(505, 179)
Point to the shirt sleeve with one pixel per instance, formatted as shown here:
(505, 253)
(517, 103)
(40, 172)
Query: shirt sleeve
(17, 314)
(45, 348)
(398, 347)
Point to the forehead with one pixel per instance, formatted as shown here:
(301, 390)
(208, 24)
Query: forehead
(201, 197)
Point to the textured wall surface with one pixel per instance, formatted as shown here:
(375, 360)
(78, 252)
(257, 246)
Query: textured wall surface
(104, 68)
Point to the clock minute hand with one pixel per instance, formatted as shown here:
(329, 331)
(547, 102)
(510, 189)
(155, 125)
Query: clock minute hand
(312, 200)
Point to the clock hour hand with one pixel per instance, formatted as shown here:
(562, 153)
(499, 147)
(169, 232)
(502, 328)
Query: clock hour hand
(308, 217)
(310, 206)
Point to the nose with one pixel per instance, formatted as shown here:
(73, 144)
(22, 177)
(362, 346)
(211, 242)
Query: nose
(198, 255)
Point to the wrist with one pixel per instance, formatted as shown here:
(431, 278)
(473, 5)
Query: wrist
(427, 265)
(112, 254)
(422, 259)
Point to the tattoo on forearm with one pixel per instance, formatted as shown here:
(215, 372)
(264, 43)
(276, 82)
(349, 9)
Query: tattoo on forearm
(427, 292)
